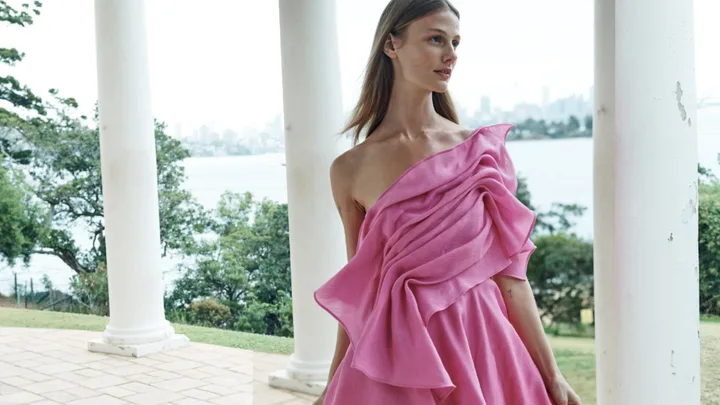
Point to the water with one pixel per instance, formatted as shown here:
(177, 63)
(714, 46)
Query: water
(556, 171)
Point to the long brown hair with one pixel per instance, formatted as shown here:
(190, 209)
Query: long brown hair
(379, 76)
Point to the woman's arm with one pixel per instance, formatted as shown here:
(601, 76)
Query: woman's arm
(524, 316)
(352, 217)
(341, 346)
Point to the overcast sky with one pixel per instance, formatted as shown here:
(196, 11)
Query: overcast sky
(218, 61)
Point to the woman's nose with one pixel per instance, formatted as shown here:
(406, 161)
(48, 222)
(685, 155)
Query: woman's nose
(450, 56)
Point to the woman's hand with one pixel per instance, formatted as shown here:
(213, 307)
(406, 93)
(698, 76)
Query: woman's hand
(320, 400)
(560, 392)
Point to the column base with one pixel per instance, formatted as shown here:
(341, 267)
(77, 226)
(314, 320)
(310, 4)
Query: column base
(283, 379)
(138, 350)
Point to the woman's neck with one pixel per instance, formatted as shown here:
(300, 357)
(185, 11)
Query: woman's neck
(410, 110)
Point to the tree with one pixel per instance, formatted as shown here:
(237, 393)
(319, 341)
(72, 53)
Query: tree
(269, 309)
(557, 129)
(558, 219)
(709, 241)
(245, 267)
(536, 127)
(589, 123)
(706, 176)
(560, 270)
(573, 124)
(20, 219)
(65, 171)
(271, 243)
(561, 275)
(11, 91)
(220, 264)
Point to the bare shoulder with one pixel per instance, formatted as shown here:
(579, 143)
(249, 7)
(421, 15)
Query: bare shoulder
(343, 178)
(343, 169)
(344, 172)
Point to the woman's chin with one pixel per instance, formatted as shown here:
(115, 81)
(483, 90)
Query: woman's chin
(440, 88)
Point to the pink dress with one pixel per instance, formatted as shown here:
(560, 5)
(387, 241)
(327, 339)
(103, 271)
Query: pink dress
(426, 322)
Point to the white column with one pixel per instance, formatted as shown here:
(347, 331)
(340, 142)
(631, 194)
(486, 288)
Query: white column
(130, 195)
(313, 118)
(646, 253)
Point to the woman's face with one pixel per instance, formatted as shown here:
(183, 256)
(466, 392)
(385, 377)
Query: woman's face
(426, 54)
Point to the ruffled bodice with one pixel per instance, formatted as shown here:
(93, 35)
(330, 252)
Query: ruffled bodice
(449, 223)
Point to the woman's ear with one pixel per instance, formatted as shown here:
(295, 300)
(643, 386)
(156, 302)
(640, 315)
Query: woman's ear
(390, 46)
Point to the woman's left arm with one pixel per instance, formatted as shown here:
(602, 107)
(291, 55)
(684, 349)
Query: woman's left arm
(524, 316)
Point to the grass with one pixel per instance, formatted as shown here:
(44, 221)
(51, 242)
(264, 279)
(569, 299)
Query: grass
(576, 359)
(22, 318)
(575, 355)
(710, 318)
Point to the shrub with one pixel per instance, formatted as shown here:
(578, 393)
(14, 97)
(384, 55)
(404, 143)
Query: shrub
(561, 275)
(209, 312)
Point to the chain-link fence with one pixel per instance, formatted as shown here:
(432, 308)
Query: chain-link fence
(30, 293)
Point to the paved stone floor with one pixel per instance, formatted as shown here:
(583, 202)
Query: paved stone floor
(44, 367)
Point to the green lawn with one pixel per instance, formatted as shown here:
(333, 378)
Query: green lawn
(575, 356)
(715, 319)
(62, 320)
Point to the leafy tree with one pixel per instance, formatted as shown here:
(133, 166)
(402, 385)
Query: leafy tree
(561, 269)
(589, 123)
(561, 274)
(268, 318)
(269, 309)
(245, 266)
(558, 218)
(62, 155)
(709, 241)
(11, 91)
(20, 219)
(64, 169)
(706, 176)
(270, 276)
(220, 265)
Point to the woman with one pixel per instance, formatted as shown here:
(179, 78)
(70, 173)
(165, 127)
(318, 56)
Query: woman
(433, 305)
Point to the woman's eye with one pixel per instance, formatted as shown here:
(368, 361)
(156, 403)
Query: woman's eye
(437, 39)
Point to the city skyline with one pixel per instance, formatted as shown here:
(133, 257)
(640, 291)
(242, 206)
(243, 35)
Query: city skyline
(578, 105)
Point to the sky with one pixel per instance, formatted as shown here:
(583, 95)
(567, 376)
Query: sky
(218, 61)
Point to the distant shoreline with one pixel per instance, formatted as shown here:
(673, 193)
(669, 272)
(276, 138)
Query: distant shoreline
(516, 139)
(510, 139)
